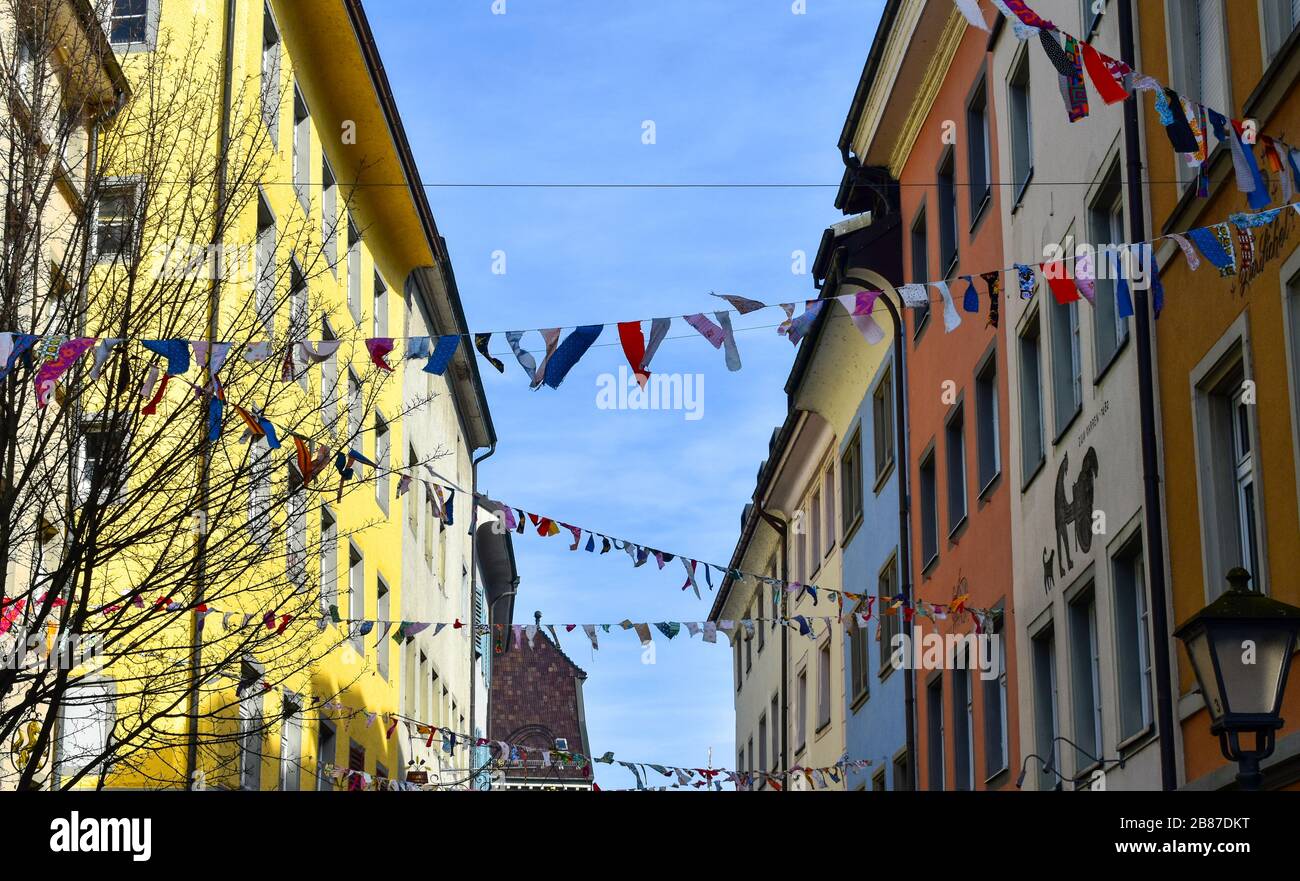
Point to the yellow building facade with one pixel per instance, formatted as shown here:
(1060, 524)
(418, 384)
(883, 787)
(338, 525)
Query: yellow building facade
(322, 239)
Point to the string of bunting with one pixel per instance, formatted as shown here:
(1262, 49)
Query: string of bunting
(1228, 245)
(517, 519)
(505, 754)
(402, 631)
(1187, 123)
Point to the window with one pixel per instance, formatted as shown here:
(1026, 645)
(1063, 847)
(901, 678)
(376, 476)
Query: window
(824, 685)
(431, 524)
(259, 494)
(104, 460)
(902, 773)
(886, 590)
(329, 381)
(977, 152)
(413, 495)
(115, 224)
(270, 97)
(859, 654)
(355, 408)
(383, 459)
(988, 438)
(329, 211)
(776, 733)
(130, 21)
(264, 268)
(298, 313)
(1132, 640)
(1046, 727)
(882, 424)
(1085, 679)
(758, 625)
(1199, 52)
(955, 447)
(1106, 227)
(749, 642)
(329, 559)
(935, 733)
(929, 511)
(1032, 442)
(381, 307)
(762, 745)
(1067, 370)
(325, 755)
(963, 713)
(381, 616)
(920, 271)
(357, 756)
(947, 199)
(291, 746)
(249, 696)
(87, 714)
(301, 150)
(749, 760)
(801, 711)
(1022, 133)
(356, 596)
(1280, 18)
(815, 537)
(354, 272)
(1225, 454)
(740, 673)
(851, 483)
(828, 509)
(296, 556)
(1243, 459)
(995, 707)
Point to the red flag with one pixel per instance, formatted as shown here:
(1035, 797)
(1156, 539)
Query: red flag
(1109, 86)
(629, 334)
(1062, 286)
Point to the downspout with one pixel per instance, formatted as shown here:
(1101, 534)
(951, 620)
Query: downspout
(205, 450)
(904, 520)
(780, 528)
(473, 593)
(1153, 518)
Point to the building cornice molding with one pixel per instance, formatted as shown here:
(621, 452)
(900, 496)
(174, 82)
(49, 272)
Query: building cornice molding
(900, 38)
(935, 74)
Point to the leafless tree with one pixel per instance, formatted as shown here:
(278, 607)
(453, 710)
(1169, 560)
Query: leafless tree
(144, 517)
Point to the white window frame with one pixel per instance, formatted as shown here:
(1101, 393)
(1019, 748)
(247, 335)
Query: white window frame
(107, 689)
(1234, 346)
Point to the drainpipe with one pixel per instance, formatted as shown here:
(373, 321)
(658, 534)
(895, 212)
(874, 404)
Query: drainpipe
(473, 592)
(904, 519)
(1153, 520)
(205, 452)
(779, 526)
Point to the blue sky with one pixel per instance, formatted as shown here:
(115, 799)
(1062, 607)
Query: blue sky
(740, 91)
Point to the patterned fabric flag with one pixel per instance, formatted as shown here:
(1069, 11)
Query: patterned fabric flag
(481, 341)
(994, 282)
(743, 305)
(47, 377)
(1107, 74)
(1025, 275)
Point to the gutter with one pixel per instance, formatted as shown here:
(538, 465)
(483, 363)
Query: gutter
(868, 76)
(1153, 522)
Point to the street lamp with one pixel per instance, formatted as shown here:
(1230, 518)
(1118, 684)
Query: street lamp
(1240, 647)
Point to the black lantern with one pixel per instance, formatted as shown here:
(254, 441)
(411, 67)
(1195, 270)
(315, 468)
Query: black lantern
(1240, 647)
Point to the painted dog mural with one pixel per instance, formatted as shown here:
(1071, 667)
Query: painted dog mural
(1075, 510)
